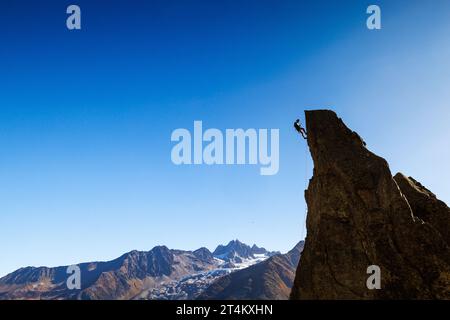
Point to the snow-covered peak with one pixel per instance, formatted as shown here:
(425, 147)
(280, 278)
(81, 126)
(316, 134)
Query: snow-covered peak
(236, 252)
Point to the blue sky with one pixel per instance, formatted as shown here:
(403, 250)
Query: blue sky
(86, 116)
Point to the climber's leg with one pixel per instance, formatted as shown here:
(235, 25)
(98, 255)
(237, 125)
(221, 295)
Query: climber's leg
(303, 132)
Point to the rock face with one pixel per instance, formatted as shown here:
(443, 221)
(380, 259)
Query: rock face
(359, 216)
(271, 279)
(425, 205)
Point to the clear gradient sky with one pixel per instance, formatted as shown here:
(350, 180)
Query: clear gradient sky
(86, 116)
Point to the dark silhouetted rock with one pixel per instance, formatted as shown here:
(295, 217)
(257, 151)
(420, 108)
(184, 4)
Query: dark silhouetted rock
(357, 217)
(425, 205)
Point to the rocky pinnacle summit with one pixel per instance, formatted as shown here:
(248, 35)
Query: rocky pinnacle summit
(360, 215)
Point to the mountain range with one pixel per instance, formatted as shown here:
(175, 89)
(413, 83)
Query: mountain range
(160, 273)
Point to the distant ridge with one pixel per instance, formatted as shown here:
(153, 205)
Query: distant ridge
(160, 273)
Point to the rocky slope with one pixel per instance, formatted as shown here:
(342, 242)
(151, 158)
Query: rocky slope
(359, 215)
(160, 273)
(425, 205)
(271, 279)
(121, 278)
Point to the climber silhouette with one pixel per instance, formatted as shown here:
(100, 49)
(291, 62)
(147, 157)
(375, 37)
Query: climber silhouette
(299, 128)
